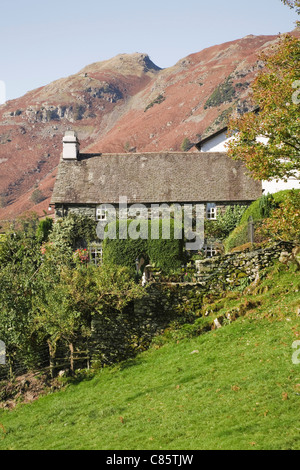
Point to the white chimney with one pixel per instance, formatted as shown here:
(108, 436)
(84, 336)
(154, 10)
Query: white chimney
(70, 146)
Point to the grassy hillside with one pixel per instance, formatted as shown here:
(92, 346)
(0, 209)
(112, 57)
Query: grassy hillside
(231, 388)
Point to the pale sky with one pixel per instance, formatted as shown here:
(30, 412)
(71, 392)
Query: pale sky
(42, 41)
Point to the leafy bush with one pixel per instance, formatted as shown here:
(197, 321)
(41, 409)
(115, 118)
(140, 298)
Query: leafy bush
(283, 223)
(225, 223)
(124, 252)
(43, 230)
(74, 231)
(259, 210)
(47, 300)
(165, 254)
(239, 236)
(252, 211)
(266, 205)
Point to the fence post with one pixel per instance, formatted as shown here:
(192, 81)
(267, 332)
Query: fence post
(250, 229)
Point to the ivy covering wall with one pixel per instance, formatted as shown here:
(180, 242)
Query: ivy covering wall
(166, 254)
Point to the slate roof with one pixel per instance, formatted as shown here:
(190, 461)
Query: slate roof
(153, 178)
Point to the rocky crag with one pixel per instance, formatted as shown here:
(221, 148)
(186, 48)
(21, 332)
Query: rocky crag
(125, 104)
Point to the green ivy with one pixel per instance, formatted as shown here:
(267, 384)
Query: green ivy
(164, 254)
(74, 231)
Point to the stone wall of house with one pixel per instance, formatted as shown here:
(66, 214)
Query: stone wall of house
(90, 210)
(84, 210)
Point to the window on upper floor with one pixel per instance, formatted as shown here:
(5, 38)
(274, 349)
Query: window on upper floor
(211, 211)
(101, 213)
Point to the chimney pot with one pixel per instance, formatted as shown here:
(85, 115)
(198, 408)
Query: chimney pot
(70, 146)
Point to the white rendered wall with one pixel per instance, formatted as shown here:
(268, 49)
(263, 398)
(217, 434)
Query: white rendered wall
(274, 186)
(217, 144)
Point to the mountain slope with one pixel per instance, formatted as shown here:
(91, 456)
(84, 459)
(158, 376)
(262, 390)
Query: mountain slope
(123, 104)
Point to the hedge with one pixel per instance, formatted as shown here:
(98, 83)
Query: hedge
(124, 252)
(239, 236)
(166, 254)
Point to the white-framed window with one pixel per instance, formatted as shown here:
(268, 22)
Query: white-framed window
(211, 211)
(96, 253)
(101, 213)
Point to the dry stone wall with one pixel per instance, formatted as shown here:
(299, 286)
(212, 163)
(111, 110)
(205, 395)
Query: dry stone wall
(179, 302)
(216, 274)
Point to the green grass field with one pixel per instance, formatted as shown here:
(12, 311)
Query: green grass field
(232, 388)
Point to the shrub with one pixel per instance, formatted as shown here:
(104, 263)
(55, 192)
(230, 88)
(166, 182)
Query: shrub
(266, 205)
(252, 211)
(239, 236)
(165, 254)
(257, 207)
(74, 231)
(263, 209)
(43, 230)
(284, 221)
(124, 252)
(225, 223)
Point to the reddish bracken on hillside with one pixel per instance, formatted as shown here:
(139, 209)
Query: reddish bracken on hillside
(126, 104)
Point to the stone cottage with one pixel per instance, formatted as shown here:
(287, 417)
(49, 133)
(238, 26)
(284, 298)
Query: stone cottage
(86, 182)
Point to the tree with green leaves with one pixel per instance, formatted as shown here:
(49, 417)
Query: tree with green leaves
(20, 261)
(275, 92)
(283, 223)
(71, 295)
(294, 4)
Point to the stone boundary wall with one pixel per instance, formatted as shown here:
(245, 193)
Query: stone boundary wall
(228, 270)
(215, 274)
(166, 302)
